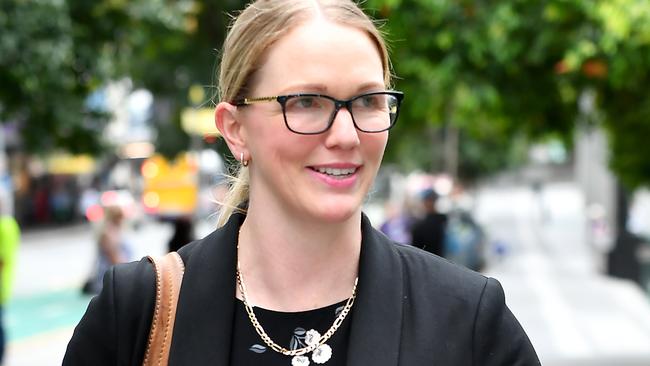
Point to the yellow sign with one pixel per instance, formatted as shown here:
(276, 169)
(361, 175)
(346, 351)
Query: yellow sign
(199, 121)
(70, 164)
(170, 188)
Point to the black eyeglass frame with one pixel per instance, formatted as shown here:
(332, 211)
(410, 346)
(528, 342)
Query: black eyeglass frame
(338, 104)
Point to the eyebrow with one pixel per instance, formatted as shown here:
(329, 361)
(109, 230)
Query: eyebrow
(322, 88)
(371, 85)
(312, 87)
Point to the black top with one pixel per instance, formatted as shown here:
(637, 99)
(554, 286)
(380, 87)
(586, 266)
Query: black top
(288, 330)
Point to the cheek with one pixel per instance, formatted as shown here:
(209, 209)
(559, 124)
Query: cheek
(374, 146)
(282, 148)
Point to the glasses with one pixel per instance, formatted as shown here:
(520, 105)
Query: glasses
(311, 114)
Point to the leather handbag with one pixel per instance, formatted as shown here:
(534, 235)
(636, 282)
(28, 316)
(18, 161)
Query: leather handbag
(169, 276)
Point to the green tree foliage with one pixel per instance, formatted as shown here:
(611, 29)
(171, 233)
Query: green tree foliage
(495, 73)
(43, 79)
(620, 69)
(511, 70)
(169, 62)
(486, 68)
(54, 53)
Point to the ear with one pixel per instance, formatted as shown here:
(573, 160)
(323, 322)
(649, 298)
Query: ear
(228, 124)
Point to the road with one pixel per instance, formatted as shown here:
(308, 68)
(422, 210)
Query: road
(553, 280)
(573, 314)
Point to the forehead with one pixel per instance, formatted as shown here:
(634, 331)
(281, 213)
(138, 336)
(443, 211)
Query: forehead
(321, 52)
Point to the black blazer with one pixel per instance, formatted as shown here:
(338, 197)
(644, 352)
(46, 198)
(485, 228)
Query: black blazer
(412, 309)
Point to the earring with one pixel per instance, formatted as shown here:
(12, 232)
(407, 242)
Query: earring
(241, 159)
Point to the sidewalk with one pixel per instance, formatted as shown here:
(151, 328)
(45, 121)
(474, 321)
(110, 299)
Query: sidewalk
(47, 301)
(40, 350)
(573, 314)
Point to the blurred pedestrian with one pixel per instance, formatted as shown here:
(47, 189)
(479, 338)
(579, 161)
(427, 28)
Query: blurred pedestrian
(89, 197)
(397, 225)
(537, 187)
(9, 239)
(428, 232)
(464, 237)
(297, 274)
(183, 233)
(112, 248)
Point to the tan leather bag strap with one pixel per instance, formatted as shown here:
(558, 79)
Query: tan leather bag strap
(169, 275)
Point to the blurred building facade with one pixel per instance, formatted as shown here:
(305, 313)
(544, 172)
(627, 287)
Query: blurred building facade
(47, 189)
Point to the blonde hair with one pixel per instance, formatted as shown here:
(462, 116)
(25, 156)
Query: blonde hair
(252, 32)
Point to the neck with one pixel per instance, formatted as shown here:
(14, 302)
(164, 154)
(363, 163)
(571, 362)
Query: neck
(289, 264)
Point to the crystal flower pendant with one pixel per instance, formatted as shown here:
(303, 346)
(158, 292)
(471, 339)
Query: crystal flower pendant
(320, 355)
(300, 361)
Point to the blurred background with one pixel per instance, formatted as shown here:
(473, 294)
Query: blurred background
(528, 120)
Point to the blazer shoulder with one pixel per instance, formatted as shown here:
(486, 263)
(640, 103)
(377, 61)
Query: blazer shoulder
(197, 246)
(499, 338)
(470, 301)
(422, 265)
(134, 287)
(115, 326)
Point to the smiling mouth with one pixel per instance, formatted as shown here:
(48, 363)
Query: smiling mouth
(336, 172)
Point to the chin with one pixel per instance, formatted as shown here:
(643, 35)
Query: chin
(336, 211)
(337, 217)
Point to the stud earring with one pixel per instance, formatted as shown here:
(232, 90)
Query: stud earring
(242, 160)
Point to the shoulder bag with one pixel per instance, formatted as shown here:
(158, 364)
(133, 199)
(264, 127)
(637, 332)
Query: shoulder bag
(169, 275)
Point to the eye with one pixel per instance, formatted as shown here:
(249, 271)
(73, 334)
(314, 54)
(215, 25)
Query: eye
(373, 101)
(304, 102)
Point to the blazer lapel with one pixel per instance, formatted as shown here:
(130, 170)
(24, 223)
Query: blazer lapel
(377, 313)
(203, 327)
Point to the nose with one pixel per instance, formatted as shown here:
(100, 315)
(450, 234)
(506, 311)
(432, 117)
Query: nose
(342, 133)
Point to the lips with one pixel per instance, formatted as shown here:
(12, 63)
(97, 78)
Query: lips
(339, 172)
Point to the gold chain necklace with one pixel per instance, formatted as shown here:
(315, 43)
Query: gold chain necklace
(300, 351)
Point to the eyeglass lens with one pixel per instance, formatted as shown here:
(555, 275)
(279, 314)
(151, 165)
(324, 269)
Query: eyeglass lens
(313, 114)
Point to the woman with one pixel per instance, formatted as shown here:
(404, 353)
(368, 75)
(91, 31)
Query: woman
(296, 275)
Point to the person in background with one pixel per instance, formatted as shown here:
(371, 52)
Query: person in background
(296, 274)
(428, 232)
(112, 248)
(397, 225)
(9, 240)
(183, 233)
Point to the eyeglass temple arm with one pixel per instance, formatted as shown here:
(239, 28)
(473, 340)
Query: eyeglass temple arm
(247, 101)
